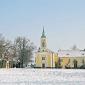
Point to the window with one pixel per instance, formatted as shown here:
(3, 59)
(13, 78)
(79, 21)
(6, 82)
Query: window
(43, 44)
(43, 58)
(83, 54)
(75, 63)
(67, 54)
(43, 50)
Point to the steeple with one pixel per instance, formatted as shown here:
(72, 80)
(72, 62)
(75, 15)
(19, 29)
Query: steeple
(43, 41)
(43, 33)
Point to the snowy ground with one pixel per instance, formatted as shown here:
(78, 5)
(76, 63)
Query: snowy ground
(41, 77)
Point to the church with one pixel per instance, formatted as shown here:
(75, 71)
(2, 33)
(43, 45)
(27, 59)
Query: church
(45, 58)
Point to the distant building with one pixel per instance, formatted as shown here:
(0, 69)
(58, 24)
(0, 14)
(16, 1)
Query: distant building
(45, 58)
(71, 58)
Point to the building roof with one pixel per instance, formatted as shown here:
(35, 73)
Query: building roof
(71, 53)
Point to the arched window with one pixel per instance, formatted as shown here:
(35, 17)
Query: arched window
(43, 44)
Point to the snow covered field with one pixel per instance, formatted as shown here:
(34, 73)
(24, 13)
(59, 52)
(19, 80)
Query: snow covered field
(41, 77)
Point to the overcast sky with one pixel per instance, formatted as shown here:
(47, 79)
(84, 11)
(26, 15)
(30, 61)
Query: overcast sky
(63, 20)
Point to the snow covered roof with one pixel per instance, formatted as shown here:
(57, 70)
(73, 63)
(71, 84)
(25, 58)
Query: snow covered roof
(71, 53)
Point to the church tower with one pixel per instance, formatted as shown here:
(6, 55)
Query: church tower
(45, 58)
(43, 46)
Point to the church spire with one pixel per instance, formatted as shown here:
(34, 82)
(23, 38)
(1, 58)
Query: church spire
(43, 41)
(43, 33)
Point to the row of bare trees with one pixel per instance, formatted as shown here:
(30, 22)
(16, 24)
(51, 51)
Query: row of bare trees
(19, 51)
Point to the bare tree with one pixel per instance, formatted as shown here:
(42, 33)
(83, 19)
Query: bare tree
(5, 46)
(23, 50)
(5, 50)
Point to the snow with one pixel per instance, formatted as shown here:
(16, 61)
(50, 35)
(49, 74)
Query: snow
(42, 77)
(71, 53)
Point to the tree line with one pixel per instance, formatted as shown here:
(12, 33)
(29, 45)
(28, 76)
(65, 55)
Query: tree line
(20, 51)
